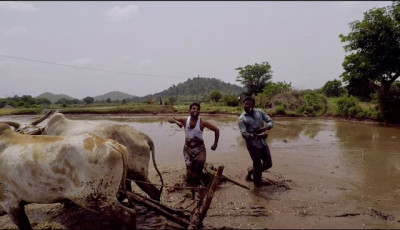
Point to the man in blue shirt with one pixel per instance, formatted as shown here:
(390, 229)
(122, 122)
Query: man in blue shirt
(251, 125)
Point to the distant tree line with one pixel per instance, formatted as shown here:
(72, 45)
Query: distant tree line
(25, 101)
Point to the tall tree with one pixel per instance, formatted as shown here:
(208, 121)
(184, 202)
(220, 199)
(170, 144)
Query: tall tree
(254, 77)
(271, 88)
(215, 95)
(374, 44)
(333, 88)
(88, 100)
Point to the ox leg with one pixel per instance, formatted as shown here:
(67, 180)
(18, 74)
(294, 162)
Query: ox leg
(19, 217)
(121, 195)
(147, 187)
(2, 212)
(128, 185)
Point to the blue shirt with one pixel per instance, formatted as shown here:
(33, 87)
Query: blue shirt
(248, 123)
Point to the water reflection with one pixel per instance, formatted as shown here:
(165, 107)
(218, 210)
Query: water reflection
(301, 132)
(373, 154)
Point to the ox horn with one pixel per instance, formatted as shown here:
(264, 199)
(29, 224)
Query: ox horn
(43, 118)
(12, 123)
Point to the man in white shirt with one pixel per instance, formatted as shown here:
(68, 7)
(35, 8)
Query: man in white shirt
(194, 150)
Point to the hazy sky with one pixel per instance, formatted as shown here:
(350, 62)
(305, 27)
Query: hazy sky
(142, 47)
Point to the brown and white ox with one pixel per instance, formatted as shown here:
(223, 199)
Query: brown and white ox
(86, 169)
(139, 146)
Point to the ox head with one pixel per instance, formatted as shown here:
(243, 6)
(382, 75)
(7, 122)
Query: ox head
(32, 128)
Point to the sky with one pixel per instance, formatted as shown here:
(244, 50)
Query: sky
(89, 48)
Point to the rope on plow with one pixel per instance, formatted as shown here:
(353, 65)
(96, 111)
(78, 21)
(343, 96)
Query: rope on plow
(142, 182)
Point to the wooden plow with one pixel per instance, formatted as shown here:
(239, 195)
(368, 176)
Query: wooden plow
(195, 220)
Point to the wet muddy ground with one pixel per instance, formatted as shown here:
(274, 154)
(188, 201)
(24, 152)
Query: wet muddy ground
(326, 174)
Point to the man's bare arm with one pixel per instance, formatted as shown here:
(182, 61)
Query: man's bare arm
(179, 121)
(216, 132)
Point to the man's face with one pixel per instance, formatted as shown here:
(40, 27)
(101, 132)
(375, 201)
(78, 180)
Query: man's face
(248, 106)
(194, 111)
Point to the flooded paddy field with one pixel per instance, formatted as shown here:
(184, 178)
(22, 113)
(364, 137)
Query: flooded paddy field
(337, 174)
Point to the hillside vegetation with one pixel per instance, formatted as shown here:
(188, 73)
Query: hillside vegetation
(116, 96)
(54, 97)
(196, 89)
(190, 90)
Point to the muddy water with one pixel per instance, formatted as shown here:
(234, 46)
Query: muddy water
(341, 174)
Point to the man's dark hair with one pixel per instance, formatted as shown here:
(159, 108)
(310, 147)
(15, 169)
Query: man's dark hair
(195, 103)
(248, 98)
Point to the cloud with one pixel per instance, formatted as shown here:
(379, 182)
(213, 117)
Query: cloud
(18, 6)
(15, 30)
(118, 13)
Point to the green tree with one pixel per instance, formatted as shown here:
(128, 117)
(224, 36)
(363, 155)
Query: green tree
(361, 88)
(63, 101)
(171, 101)
(315, 104)
(375, 52)
(230, 100)
(43, 101)
(215, 95)
(254, 77)
(3, 102)
(88, 100)
(271, 88)
(333, 88)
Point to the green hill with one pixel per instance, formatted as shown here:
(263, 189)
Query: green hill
(188, 90)
(54, 97)
(116, 95)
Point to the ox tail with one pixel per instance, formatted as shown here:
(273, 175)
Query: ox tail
(125, 167)
(125, 172)
(151, 144)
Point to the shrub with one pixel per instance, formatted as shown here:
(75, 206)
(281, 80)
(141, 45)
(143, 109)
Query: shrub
(315, 104)
(230, 100)
(215, 95)
(348, 106)
(333, 88)
(280, 109)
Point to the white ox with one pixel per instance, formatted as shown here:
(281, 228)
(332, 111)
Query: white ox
(139, 146)
(85, 169)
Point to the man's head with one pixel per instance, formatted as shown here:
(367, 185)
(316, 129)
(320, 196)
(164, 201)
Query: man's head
(194, 109)
(248, 104)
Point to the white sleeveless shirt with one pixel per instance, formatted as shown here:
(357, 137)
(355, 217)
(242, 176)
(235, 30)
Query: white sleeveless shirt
(196, 132)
